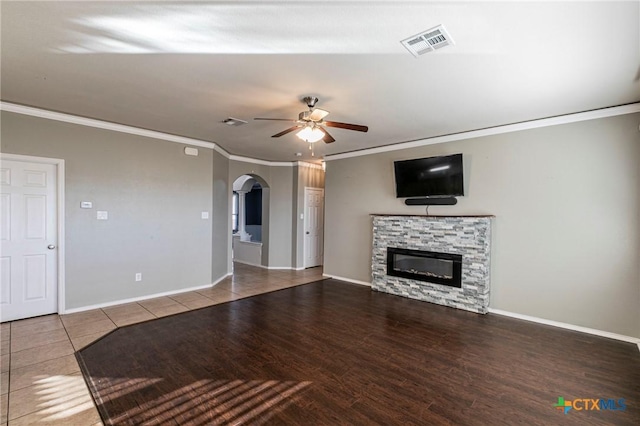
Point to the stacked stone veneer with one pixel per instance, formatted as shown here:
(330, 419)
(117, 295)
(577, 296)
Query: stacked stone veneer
(467, 236)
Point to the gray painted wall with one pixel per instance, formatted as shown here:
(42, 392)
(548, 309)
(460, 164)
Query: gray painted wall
(567, 229)
(220, 218)
(154, 194)
(280, 217)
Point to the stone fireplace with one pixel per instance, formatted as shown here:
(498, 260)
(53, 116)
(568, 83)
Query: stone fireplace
(438, 259)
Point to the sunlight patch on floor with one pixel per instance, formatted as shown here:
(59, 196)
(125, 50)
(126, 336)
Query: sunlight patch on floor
(227, 401)
(122, 386)
(60, 397)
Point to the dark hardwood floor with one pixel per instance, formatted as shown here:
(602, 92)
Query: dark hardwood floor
(331, 353)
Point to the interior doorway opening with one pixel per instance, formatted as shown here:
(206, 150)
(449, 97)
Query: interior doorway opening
(249, 220)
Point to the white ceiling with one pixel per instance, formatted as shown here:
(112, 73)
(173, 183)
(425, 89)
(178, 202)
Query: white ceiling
(183, 67)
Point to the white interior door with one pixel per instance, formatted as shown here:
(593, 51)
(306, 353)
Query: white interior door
(313, 227)
(28, 234)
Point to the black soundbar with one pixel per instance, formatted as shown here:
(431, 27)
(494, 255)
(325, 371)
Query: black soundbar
(439, 201)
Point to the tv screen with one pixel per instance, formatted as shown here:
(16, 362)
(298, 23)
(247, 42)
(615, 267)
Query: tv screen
(429, 177)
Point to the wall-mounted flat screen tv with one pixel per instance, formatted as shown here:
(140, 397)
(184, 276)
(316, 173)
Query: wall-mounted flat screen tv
(429, 177)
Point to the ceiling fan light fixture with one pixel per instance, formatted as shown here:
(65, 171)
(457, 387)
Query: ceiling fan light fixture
(310, 125)
(311, 134)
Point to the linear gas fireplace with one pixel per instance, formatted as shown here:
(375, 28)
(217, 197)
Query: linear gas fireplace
(429, 266)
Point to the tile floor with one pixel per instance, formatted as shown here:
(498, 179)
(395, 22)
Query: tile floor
(41, 382)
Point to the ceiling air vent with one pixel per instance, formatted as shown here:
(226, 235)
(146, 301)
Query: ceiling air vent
(428, 41)
(233, 121)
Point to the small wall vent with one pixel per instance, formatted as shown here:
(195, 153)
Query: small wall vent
(432, 39)
(233, 121)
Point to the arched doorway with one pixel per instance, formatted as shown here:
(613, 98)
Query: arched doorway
(250, 220)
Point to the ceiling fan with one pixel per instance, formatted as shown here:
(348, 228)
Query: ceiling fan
(312, 124)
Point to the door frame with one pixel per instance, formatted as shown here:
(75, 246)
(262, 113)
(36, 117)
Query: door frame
(304, 226)
(60, 190)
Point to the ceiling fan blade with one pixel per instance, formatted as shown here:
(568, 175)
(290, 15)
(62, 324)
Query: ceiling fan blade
(318, 114)
(347, 126)
(327, 137)
(284, 132)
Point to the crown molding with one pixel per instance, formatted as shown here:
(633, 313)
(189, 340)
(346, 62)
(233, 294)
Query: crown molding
(221, 151)
(106, 125)
(121, 128)
(525, 125)
(261, 162)
(309, 165)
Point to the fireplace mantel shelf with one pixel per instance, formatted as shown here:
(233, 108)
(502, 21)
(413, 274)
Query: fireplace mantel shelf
(428, 215)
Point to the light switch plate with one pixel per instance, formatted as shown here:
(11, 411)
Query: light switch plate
(86, 205)
(102, 215)
(205, 215)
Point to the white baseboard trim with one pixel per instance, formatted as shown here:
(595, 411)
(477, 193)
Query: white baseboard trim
(568, 326)
(274, 268)
(138, 299)
(349, 280)
(249, 263)
(219, 280)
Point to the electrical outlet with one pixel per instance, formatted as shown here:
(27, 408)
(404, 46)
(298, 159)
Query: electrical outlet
(139, 276)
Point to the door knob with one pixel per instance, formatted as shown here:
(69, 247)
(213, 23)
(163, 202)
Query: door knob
(51, 246)
(307, 232)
